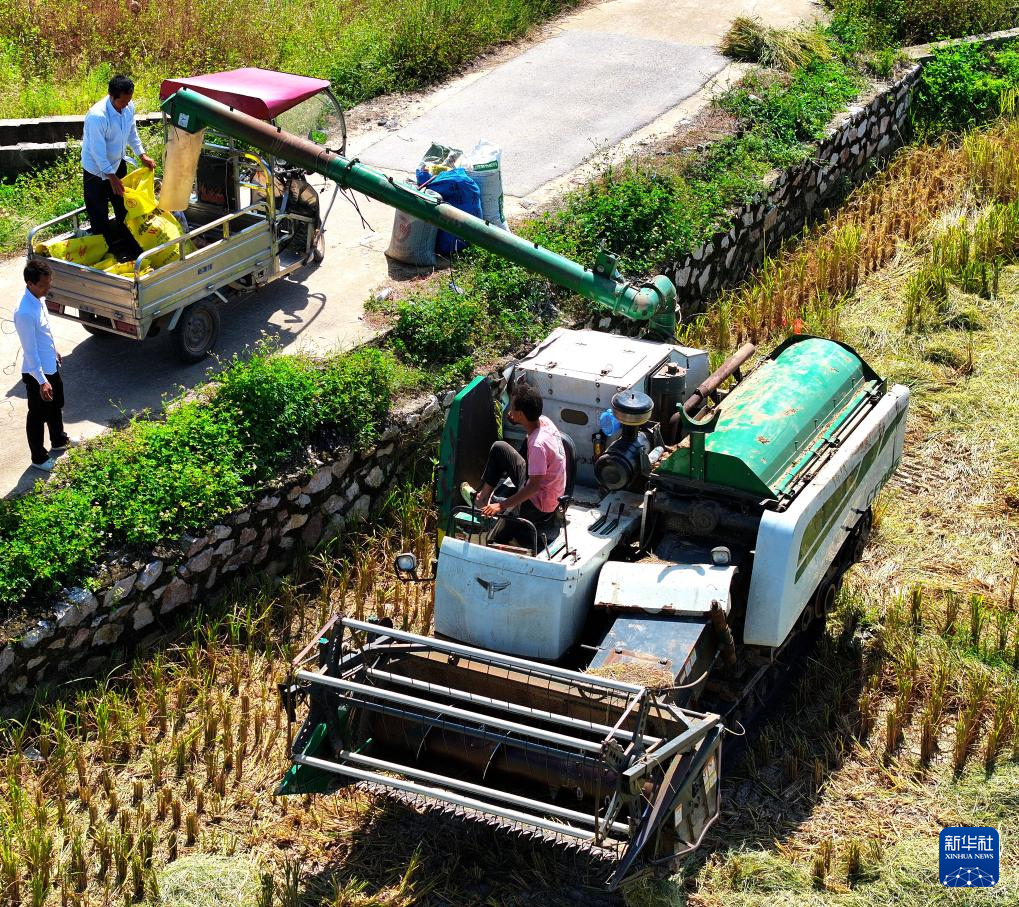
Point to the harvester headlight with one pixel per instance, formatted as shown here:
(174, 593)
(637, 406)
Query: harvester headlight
(406, 565)
(721, 556)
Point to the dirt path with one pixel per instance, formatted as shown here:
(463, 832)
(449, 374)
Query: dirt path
(611, 76)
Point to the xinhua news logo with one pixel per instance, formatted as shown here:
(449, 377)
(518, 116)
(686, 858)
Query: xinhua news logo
(969, 857)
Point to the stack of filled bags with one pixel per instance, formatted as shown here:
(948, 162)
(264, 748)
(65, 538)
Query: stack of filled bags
(471, 182)
(149, 224)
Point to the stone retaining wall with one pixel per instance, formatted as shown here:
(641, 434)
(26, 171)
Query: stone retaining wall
(863, 139)
(79, 635)
(26, 144)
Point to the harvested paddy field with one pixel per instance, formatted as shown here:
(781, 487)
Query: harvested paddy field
(155, 786)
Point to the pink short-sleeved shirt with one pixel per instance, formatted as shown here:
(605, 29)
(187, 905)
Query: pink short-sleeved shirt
(547, 458)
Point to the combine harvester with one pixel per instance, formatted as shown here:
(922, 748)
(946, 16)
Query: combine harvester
(578, 688)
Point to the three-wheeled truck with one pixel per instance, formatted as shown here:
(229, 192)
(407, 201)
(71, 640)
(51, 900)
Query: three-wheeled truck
(253, 218)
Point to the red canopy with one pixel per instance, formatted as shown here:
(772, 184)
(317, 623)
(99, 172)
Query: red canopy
(260, 93)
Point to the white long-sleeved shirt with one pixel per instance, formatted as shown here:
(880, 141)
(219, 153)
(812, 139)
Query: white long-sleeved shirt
(106, 137)
(33, 326)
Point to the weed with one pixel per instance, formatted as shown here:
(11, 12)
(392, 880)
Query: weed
(436, 328)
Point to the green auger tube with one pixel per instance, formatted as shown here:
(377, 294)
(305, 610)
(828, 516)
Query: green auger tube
(654, 302)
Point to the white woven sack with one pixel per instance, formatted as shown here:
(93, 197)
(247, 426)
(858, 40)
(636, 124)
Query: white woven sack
(413, 241)
(484, 164)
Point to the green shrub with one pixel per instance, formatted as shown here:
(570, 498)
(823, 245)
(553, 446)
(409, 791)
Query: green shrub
(788, 113)
(356, 390)
(854, 32)
(59, 534)
(157, 478)
(919, 21)
(963, 86)
(436, 329)
(275, 402)
(135, 486)
(160, 477)
(636, 212)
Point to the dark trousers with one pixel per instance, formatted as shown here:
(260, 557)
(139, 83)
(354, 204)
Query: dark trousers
(98, 196)
(44, 413)
(504, 462)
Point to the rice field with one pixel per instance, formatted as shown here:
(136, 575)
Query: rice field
(906, 720)
(154, 784)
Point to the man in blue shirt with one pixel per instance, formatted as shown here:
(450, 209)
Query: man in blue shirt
(40, 366)
(109, 131)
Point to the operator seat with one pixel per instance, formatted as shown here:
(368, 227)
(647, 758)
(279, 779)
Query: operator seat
(571, 464)
(570, 449)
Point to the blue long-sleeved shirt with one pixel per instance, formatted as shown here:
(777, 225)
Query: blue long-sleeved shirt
(33, 326)
(106, 137)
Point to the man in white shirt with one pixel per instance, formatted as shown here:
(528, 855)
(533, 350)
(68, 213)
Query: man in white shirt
(109, 131)
(40, 366)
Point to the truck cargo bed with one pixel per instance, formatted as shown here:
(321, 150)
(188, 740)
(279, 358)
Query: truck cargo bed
(228, 249)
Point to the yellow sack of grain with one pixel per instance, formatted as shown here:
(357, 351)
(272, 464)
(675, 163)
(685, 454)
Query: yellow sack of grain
(82, 250)
(126, 269)
(105, 263)
(139, 193)
(153, 230)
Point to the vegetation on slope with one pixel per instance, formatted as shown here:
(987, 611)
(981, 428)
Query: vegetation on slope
(56, 56)
(160, 477)
(904, 22)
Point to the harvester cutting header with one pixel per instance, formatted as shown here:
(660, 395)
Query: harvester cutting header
(580, 683)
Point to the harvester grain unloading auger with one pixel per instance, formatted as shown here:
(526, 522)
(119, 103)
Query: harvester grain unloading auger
(705, 534)
(654, 302)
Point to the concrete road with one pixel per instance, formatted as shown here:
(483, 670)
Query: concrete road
(600, 79)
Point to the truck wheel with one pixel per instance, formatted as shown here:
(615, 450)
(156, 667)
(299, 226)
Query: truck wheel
(196, 332)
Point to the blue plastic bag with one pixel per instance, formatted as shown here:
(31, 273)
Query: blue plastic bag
(458, 189)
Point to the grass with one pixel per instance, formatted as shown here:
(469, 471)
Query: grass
(56, 57)
(918, 21)
(750, 40)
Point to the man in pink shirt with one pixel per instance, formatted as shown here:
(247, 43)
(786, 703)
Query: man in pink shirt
(540, 479)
